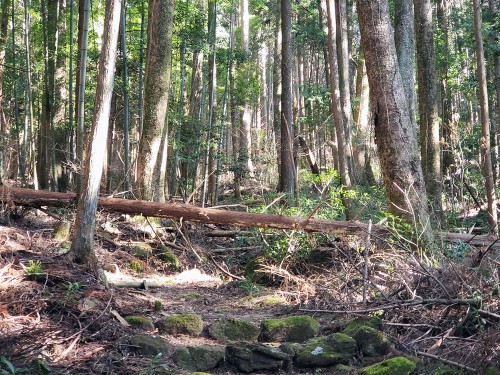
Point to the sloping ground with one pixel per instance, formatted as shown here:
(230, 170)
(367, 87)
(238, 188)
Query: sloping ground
(66, 320)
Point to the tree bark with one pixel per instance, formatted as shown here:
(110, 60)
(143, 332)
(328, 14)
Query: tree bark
(395, 137)
(3, 125)
(404, 37)
(83, 242)
(485, 121)
(156, 93)
(32, 198)
(287, 179)
(430, 148)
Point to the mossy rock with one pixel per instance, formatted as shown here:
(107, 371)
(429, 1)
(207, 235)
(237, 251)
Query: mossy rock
(199, 358)
(292, 329)
(186, 324)
(324, 351)
(249, 357)
(141, 250)
(151, 345)
(167, 257)
(374, 322)
(140, 322)
(370, 341)
(61, 230)
(231, 329)
(393, 366)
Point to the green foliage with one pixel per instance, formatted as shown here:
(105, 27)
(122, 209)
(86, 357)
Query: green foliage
(457, 251)
(35, 271)
(7, 368)
(135, 266)
(248, 286)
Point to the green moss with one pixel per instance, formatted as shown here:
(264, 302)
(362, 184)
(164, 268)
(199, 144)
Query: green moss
(157, 305)
(492, 371)
(447, 370)
(374, 322)
(230, 329)
(135, 266)
(168, 258)
(189, 324)
(326, 351)
(292, 328)
(61, 230)
(370, 341)
(393, 366)
(141, 250)
(140, 322)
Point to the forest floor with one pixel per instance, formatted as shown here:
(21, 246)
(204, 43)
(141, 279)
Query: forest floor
(66, 322)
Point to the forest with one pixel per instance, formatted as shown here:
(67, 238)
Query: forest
(304, 186)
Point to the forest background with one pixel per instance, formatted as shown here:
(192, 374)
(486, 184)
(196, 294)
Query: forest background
(218, 96)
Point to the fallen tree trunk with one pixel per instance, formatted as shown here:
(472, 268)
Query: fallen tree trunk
(185, 212)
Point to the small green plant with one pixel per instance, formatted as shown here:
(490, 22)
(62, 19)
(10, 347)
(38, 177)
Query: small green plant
(249, 286)
(72, 288)
(135, 266)
(35, 271)
(7, 368)
(153, 366)
(458, 251)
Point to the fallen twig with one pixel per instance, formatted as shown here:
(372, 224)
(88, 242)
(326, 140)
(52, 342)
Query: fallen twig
(447, 361)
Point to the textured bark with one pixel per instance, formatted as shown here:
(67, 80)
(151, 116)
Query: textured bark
(277, 88)
(287, 180)
(485, 121)
(32, 198)
(83, 242)
(3, 125)
(430, 148)
(404, 37)
(395, 137)
(336, 107)
(156, 92)
(495, 9)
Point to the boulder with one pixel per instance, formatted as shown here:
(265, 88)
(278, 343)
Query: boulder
(198, 358)
(291, 329)
(140, 322)
(248, 357)
(151, 345)
(231, 329)
(393, 366)
(167, 256)
(61, 230)
(141, 250)
(186, 324)
(324, 351)
(370, 341)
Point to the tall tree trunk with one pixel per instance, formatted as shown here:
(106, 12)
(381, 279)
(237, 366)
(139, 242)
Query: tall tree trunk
(156, 93)
(485, 121)
(404, 36)
(495, 9)
(287, 178)
(83, 242)
(395, 137)
(427, 104)
(336, 107)
(3, 125)
(126, 141)
(277, 88)
(83, 39)
(447, 125)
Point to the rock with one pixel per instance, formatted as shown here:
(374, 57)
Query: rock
(61, 230)
(323, 351)
(151, 345)
(140, 322)
(253, 271)
(373, 322)
(248, 357)
(292, 329)
(198, 358)
(370, 341)
(231, 329)
(290, 348)
(393, 366)
(167, 256)
(186, 324)
(141, 250)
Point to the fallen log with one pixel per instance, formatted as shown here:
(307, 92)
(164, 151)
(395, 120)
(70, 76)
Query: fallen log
(185, 212)
(37, 198)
